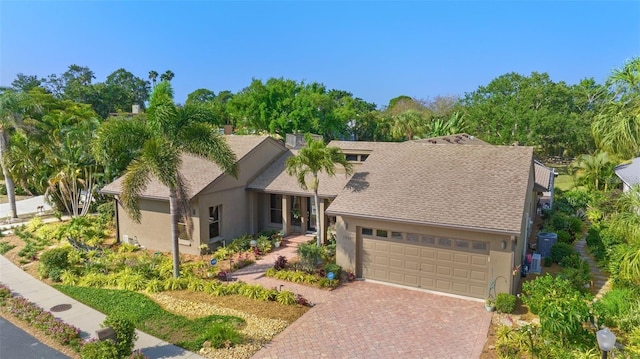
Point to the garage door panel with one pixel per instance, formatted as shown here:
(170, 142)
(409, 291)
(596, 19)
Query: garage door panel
(443, 255)
(478, 275)
(460, 273)
(477, 290)
(442, 269)
(461, 258)
(412, 251)
(479, 260)
(411, 265)
(443, 285)
(395, 263)
(428, 268)
(428, 253)
(458, 287)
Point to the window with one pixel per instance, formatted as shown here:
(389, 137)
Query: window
(352, 157)
(462, 244)
(363, 158)
(444, 242)
(412, 237)
(396, 235)
(182, 231)
(479, 246)
(429, 240)
(367, 231)
(276, 208)
(214, 221)
(381, 233)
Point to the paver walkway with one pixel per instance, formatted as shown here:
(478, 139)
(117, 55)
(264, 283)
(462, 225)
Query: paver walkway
(255, 273)
(372, 320)
(601, 282)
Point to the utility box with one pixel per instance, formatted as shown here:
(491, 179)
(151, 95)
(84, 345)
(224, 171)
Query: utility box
(545, 241)
(536, 265)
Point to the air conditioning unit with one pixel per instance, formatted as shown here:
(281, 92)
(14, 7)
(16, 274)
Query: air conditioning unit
(536, 265)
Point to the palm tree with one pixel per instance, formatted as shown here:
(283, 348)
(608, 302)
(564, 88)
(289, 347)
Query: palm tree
(594, 171)
(616, 129)
(167, 76)
(314, 158)
(439, 127)
(13, 106)
(407, 124)
(153, 76)
(156, 146)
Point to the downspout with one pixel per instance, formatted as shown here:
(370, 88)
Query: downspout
(115, 207)
(551, 185)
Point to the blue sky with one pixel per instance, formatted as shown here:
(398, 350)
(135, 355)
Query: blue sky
(375, 49)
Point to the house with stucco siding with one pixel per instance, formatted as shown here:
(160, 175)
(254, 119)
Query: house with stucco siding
(450, 214)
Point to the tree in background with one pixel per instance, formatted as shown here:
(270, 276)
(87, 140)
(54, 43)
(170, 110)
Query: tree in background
(167, 76)
(316, 157)
(532, 111)
(617, 126)
(153, 76)
(13, 107)
(26, 83)
(408, 124)
(156, 147)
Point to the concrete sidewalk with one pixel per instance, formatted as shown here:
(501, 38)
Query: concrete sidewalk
(85, 318)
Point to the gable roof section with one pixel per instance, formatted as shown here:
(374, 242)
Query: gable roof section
(629, 173)
(197, 171)
(543, 175)
(346, 146)
(276, 180)
(473, 187)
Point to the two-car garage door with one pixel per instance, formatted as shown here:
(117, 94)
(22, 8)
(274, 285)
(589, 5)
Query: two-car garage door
(442, 264)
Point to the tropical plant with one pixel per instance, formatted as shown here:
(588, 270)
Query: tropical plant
(505, 302)
(408, 124)
(157, 146)
(126, 335)
(13, 106)
(594, 171)
(312, 159)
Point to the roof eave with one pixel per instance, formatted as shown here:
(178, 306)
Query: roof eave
(426, 223)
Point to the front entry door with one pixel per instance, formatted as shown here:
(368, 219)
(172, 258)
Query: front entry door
(311, 215)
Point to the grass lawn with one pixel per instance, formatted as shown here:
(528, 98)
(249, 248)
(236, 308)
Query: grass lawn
(564, 182)
(149, 316)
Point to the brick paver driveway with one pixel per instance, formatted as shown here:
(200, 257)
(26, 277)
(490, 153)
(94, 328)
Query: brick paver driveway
(370, 320)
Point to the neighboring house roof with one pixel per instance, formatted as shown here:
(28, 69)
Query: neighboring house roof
(345, 146)
(629, 173)
(276, 180)
(458, 139)
(197, 171)
(543, 176)
(479, 188)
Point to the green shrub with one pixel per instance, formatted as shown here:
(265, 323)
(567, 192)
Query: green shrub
(221, 336)
(616, 305)
(310, 255)
(105, 349)
(264, 244)
(5, 247)
(564, 237)
(561, 250)
(286, 297)
(53, 262)
(505, 302)
(547, 262)
(332, 267)
(125, 334)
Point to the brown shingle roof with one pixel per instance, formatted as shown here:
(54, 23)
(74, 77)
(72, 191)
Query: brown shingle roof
(197, 171)
(475, 187)
(276, 180)
(458, 139)
(362, 145)
(542, 176)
